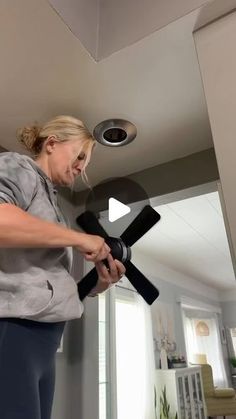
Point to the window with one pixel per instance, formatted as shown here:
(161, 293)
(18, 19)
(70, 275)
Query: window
(134, 356)
(202, 337)
(102, 356)
(131, 358)
(126, 356)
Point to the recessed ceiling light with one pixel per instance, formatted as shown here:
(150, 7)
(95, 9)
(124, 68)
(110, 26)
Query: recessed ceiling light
(115, 132)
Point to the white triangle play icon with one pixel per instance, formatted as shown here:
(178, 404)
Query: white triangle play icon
(116, 209)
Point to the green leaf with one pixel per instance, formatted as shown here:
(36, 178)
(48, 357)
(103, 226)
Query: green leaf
(165, 407)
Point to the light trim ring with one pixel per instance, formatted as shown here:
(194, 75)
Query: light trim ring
(103, 131)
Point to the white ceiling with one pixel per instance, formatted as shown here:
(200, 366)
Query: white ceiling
(191, 239)
(155, 83)
(107, 26)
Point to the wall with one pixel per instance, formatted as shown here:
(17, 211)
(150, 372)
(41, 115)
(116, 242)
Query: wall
(76, 390)
(229, 320)
(215, 45)
(229, 313)
(228, 304)
(63, 395)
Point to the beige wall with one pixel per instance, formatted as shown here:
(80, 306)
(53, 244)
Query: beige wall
(187, 172)
(76, 392)
(215, 46)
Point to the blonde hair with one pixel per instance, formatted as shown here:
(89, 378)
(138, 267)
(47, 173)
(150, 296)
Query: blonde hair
(65, 128)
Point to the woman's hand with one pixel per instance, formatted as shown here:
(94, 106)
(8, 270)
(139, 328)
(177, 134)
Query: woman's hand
(107, 277)
(93, 248)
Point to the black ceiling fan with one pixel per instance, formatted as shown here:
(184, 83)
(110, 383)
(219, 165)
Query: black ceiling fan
(120, 249)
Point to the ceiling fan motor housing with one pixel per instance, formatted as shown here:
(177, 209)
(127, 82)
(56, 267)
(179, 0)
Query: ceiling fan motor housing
(119, 249)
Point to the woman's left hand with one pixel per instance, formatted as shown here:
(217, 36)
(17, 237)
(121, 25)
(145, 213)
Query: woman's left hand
(107, 277)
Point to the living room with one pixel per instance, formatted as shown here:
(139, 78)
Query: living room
(187, 257)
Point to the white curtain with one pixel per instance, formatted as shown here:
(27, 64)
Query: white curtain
(209, 345)
(134, 357)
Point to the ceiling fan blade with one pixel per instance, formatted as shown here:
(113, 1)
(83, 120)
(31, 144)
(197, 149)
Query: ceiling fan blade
(144, 287)
(89, 223)
(87, 283)
(145, 220)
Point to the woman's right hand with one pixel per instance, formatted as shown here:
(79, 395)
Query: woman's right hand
(93, 248)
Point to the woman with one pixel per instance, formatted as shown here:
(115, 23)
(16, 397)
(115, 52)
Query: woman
(37, 292)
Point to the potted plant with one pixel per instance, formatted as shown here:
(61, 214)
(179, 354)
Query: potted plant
(178, 361)
(165, 407)
(233, 364)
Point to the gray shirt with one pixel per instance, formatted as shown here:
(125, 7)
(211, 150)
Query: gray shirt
(35, 283)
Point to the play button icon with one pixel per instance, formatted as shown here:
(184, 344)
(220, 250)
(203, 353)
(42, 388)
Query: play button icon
(115, 203)
(116, 209)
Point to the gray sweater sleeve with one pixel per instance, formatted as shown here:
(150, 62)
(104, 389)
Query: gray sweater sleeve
(17, 180)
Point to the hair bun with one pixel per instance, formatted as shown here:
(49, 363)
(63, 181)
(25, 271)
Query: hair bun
(28, 136)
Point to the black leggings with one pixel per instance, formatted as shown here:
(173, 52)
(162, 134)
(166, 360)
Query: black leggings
(27, 367)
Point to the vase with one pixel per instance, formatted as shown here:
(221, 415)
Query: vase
(179, 365)
(163, 359)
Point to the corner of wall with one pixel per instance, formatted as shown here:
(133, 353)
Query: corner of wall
(97, 46)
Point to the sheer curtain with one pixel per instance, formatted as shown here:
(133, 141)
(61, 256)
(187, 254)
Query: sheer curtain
(209, 344)
(134, 357)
